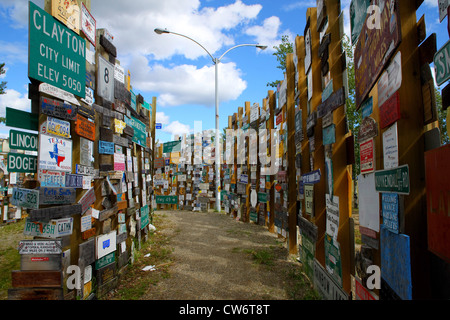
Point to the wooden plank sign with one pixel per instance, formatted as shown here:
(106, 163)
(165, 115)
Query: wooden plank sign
(48, 214)
(438, 186)
(58, 109)
(36, 279)
(87, 200)
(25, 198)
(368, 129)
(375, 46)
(390, 111)
(105, 147)
(57, 195)
(55, 153)
(85, 128)
(37, 294)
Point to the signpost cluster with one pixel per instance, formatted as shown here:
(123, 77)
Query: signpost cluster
(86, 190)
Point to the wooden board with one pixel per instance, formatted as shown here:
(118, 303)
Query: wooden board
(36, 279)
(35, 294)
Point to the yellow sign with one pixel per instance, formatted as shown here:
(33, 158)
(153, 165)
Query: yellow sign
(68, 12)
(119, 126)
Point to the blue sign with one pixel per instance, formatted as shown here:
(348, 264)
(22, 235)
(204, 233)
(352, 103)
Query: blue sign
(389, 205)
(367, 107)
(396, 262)
(311, 177)
(158, 126)
(329, 135)
(105, 147)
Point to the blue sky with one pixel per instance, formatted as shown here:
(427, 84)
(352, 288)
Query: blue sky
(173, 69)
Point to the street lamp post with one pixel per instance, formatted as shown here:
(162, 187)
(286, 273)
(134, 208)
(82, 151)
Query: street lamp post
(216, 64)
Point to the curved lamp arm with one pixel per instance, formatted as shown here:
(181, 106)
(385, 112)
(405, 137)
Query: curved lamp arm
(243, 45)
(161, 31)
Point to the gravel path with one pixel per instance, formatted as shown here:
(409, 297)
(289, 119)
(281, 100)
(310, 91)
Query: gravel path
(214, 259)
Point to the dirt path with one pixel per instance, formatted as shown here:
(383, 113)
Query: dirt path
(217, 258)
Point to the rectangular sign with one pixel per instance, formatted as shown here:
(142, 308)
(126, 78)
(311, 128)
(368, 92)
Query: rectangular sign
(25, 198)
(55, 153)
(375, 48)
(58, 127)
(105, 147)
(52, 229)
(309, 199)
(140, 131)
(22, 119)
(325, 285)
(22, 163)
(394, 180)
(119, 162)
(437, 170)
(367, 156)
(56, 54)
(58, 109)
(174, 146)
(390, 147)
(105, 79)
(49, 196)
(442, 64)
(396, 262)
(40, 247)
(85, 128)
(106, 244)
(23, 141)
(88, 24)
(311, 177)
(73, 181)
(166, 200)
(390, 111)
(390, 209)
(52, 178)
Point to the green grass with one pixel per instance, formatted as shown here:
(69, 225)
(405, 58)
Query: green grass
(299, 287)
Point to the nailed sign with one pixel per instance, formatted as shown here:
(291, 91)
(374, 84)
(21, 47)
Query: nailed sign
(58, 109)
(58, 127)
(367, 156)
(375, 46)
(22, 163)
(394, 180)
(23, 140)
(25, 198)
(88, 24)
(52, 178)
(390, 111)
(85, 128)
(55, 153)
(368, 129)
(52, 229)
(105, 147)
(57, 195)
(56, 54)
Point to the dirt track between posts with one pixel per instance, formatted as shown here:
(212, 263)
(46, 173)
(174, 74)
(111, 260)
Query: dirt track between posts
(214, 257)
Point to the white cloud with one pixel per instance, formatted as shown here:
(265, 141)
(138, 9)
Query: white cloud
(269, 33)
(13, 52)
(17, 11)
(431, 3)
(162, 118)
(177, 128)
(187, 84)
(14, 99)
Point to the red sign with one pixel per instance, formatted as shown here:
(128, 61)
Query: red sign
(159, 163)
(85, 128)
(279, 118)
(361, 292)
(437, 171)
(390, 111)
(367, 157)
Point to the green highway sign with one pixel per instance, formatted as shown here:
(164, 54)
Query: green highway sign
(22, 163)
(166, 200)
(442, 64)
(23, 140)
(22, 120)
(394, 180)
(174, 146)
(56, 54)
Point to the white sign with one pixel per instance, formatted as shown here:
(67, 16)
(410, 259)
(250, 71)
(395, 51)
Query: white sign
(40, 247)
(390, 147)
(254, 198)
(332, 205)
(105, 79)
(106, 244)
(55, 153)
(119, 73)
(369, 202)
(52, 229)
(86, 221)
(88, 24)
(89, 99)
(391, 80)
(443, 5)
(58, 93)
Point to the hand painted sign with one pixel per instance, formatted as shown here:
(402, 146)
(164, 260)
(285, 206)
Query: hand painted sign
(105, 147)
(390, 147)
(88, 24)
(56, 54)
(438, 200)
(25, 198)
(68, 12)
(58, 109)
(85, 128)
(309, 199)
(396, 262)
(375, 46)
(55, 154)
(57, 196)
(23, 141)
(391, 80)
(390, 209)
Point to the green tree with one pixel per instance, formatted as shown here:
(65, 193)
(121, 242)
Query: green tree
(2, 87)
(3, 83)
(442, 117)
(281, 51)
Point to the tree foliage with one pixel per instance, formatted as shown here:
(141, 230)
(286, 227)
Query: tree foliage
(3, 83)
(281, 51)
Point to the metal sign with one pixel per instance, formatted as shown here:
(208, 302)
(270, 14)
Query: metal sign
(58, 127)
(325, 285)
(442, 64)
(158, 126)
(53, 229)
(40, 247)
(393, 180)
(23, 140)
(58, 109)
(358, 13)
(367, 156)
(56, 54)
(25, 198)
(166, 199)
(49, 196)
(21, 119)
(55, 153)
(390, 147)
(88, 24)
(390, 209)
(22, 163)
(105, 79)
(54, 179)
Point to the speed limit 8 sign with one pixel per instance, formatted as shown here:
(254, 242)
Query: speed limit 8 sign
(105, 79)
